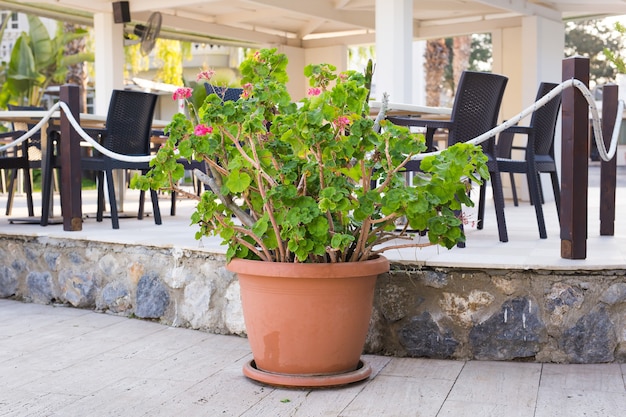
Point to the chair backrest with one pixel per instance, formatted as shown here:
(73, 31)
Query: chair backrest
(129, 122)
(543, 121)
(476, 106)
(34, 142)
(226, 93)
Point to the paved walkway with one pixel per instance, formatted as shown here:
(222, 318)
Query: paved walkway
(59, 361)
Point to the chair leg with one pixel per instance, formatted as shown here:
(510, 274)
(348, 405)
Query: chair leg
(155, 206)
(540, 188)
(112, 200)
(28, 185)
(48, 178)
(533, 186)
(142, 200)
(11, 190)
(513, 189)
(498, 202)
(100, 209)
(173, 204)
(481, 206)
(557, 192)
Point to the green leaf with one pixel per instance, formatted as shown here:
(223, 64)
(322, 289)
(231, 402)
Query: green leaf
(238, 181)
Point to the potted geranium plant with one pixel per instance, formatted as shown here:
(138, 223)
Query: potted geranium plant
(309, 193)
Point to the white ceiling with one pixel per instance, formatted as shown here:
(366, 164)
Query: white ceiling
(319, 22)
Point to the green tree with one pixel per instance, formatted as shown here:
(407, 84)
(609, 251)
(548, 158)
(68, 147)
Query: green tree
(168, 57)
(588, 38)
(37, 61)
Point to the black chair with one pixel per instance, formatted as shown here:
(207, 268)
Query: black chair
(475, 111)
(31, 152)
(539, 155)
(227, 94)
(504, 149)
(128, 132)
(15, 160)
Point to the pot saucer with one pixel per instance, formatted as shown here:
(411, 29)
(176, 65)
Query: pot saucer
(362, 371)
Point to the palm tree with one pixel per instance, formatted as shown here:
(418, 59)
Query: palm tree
(77, 72)
(36, 62)
(436, 59)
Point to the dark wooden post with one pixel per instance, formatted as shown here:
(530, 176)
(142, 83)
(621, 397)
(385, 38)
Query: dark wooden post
(574, 162)
(608, 169)
(69, 153)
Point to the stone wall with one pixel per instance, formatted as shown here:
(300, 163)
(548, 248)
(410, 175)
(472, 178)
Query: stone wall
(547, 316)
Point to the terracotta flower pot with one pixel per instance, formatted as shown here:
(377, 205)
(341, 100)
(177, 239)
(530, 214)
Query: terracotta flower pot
(307, 323)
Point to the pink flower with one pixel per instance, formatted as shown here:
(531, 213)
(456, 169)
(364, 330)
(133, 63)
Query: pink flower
(201, 130)
(342, 122)
(314, 91)
(247, 90)
(182, 92)
(205, 75)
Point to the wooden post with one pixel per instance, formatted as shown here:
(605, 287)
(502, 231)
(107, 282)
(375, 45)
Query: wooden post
(69, 154)
(574, 162)
(608, 169)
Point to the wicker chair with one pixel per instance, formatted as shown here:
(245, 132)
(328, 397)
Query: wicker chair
(504, 149)
(15, 160)
(128, 132)
(29, 155)
(539, 155)
(227, 94)
(474, 112)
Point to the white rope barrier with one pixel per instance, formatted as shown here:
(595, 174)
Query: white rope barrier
(595, 118)
(597, 128)
(32, 131)
(64, 107)
(97, 145)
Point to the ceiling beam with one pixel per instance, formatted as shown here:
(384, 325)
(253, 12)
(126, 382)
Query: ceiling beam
(234, 18)
(524, 7)
(322, 9)
(309, 27)
(213, 31)
(465, 28)
(62, 14)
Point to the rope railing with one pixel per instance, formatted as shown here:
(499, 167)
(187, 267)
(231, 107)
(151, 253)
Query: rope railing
(32, 131)
(64, 107)
(597, 128)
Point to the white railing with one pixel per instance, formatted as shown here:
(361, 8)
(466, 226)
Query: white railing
(605, 154)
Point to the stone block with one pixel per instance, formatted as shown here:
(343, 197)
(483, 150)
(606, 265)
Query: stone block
(591, 340)
(514, 332)
(152, 297)
(422, 337)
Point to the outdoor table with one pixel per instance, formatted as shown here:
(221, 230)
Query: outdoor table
(87, 120)
(417, 111)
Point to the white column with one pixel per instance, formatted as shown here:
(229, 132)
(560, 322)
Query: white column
(109, 59)
(528, 55)
(394, 57)
(543, 42)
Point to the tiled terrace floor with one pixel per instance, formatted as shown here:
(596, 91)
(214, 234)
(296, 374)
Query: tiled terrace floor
(59, 361)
